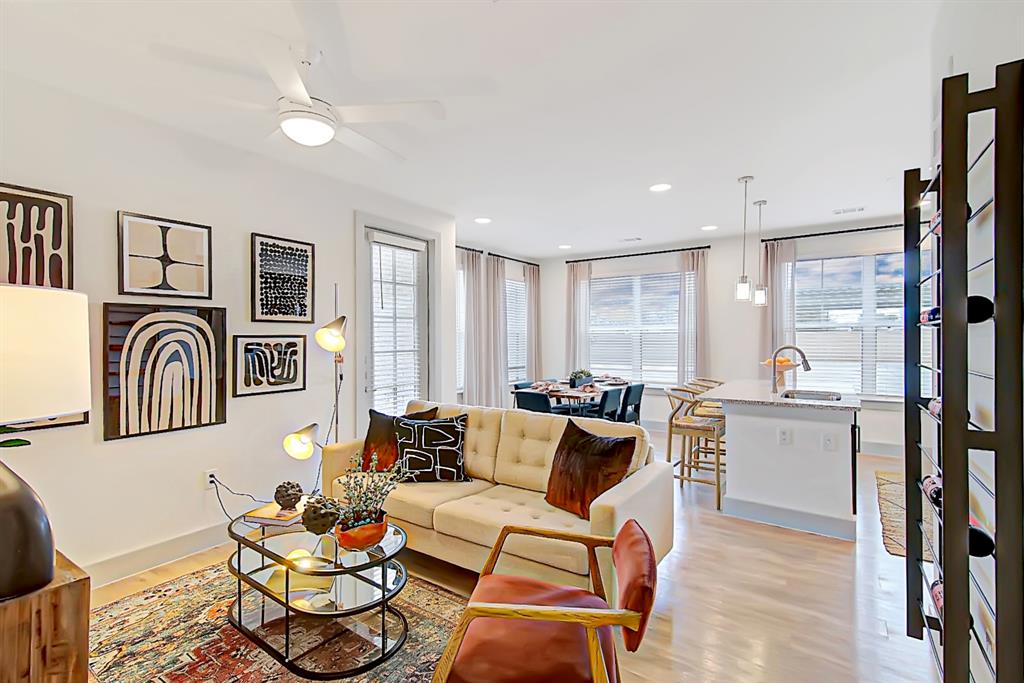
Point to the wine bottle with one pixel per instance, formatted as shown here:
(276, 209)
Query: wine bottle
(932, 486)
(979, 542)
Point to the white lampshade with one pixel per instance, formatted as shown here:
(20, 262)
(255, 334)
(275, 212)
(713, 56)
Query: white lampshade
(760, 295)
(301, 444)
(44, 353)
(743, 288)
(331, 337)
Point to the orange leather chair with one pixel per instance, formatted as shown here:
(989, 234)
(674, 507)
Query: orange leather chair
(522, 630)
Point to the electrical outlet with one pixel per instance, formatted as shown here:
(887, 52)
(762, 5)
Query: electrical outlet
(785, 436)
(828, 442)
(209, 479)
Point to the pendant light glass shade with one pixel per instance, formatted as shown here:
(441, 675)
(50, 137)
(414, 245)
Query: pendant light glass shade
(760, 295)
(743, 286)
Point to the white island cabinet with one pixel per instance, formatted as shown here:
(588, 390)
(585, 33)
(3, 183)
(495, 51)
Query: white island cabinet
(791, 462)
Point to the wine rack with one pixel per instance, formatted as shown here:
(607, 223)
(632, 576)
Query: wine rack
(947, 624)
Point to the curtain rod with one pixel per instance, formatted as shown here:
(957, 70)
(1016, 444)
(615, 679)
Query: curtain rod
(837, 232)
(517, 260)
(475, 251)
(643, 253)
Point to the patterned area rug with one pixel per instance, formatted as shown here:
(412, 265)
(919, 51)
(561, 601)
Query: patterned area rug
(893, 509)
(178, 632)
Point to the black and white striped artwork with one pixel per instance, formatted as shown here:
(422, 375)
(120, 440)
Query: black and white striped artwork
(165, 369)
(282, 279)
(268, 364)
(37, 248)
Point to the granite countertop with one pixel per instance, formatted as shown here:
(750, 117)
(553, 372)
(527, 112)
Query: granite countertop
(759, 392)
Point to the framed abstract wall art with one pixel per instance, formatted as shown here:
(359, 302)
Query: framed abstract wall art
(163, 257)
(37, 248)
(165, 368)
(268, 364)
(282, 280)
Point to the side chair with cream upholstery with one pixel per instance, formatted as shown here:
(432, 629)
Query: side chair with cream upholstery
(521, 630)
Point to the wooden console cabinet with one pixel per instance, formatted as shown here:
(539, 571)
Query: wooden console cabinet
(44, 636)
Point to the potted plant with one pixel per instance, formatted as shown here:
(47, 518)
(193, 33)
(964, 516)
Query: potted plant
(578, 378)
(357, 519)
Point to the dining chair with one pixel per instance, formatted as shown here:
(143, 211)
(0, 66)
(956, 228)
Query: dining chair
(518, 628)
(537, 401)
(696, 431)
(522, 385)
(630, 411)
(607, 407)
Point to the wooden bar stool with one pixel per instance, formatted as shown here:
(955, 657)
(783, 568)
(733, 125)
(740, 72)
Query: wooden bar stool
(699, 433)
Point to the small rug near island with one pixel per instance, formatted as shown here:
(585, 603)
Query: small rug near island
(892, 506)
(178, 632)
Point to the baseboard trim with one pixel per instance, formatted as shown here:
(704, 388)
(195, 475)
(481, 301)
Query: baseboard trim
(892, 450)
(139, 560)
(845, 529)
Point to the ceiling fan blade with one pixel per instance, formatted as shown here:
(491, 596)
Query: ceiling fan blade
(397, 111)
(201, 60)
(283, 68)
(365, 145)
(325, 30)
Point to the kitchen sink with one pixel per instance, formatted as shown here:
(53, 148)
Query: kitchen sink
(807, 395)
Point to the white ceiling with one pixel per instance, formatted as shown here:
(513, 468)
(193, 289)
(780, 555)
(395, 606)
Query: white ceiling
(560, 114)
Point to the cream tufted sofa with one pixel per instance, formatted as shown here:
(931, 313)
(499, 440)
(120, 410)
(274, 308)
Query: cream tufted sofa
(508, 453)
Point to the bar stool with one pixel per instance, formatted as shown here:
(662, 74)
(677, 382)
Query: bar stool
(697, 432)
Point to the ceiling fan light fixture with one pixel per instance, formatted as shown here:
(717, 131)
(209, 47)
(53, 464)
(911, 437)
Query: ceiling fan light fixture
(310, 126)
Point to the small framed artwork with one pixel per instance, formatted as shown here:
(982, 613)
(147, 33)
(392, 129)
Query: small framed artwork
(268, 364)
(282, 280)
(37, 248)
(163, 257)
(165, 368)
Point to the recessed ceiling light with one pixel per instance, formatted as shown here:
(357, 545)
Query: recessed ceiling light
(482, 220)
(660, 187)
(708, 228)
(565, 246)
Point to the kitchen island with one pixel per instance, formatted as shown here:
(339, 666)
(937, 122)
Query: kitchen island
(792, 462)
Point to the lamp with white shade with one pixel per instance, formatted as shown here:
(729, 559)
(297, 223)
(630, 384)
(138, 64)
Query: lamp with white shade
(44, 373)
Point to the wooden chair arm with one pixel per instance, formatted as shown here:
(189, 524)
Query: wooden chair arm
(589, 618)
(589, 540)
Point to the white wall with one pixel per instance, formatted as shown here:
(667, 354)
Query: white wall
(733, 329)
(106, 499)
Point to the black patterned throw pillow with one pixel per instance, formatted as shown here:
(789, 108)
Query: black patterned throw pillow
(432, 450)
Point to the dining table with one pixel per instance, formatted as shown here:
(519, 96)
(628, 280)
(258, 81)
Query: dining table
(578, 398)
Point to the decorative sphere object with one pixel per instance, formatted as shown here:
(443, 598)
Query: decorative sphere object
(319, 518)
(288, 495)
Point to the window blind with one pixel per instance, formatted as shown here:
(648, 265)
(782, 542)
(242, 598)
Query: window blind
(849, 322)
(399, 346)
(515, 322)
(634, 326)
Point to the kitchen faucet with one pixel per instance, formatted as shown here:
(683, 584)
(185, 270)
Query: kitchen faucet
(775, 356)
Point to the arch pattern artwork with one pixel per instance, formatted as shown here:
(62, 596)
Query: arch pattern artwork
(268, 364)
(165, 369)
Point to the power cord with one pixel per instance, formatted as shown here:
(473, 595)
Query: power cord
(217, 483)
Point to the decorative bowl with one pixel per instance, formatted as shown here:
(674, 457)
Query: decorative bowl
(362, 537)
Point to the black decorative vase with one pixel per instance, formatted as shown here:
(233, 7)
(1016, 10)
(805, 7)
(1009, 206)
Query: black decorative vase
(27, 556)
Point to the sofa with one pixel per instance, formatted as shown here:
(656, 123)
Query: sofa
(508, 454)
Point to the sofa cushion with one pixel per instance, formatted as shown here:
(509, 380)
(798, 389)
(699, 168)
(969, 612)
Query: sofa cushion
(482, 430)
(480, 517)
(585, 466)
(432, 450)
(415, 503)
(528, 441)
(381, 439)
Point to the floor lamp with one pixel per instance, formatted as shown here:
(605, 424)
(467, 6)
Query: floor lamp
(44, 365)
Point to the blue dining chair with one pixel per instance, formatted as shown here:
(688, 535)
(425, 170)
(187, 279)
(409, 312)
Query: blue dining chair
(608, 407)
(522, 385)
(537, 401)
(630, 411)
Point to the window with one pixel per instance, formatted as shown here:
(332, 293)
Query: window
(849, 322)
(515, 323)
(634, 327)
(399, 310)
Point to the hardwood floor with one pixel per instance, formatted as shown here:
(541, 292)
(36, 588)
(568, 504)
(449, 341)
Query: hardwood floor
(738, 602)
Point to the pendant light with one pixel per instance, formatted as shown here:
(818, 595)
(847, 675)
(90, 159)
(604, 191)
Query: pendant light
(743, 282)
(760, 289)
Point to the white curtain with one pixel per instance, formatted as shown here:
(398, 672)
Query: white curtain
(693, 315)
(476, 365)
(494, 386)
(778, 318)
(533, 360)
(577, 316)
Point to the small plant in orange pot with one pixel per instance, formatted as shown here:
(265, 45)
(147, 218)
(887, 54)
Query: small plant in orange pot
(362, 521)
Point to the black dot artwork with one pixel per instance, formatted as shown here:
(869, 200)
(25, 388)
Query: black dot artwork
(283, 280)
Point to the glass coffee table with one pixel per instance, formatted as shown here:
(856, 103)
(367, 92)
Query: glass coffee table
(322, 611)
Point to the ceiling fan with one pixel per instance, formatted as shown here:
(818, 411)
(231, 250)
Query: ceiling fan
(303, 117)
